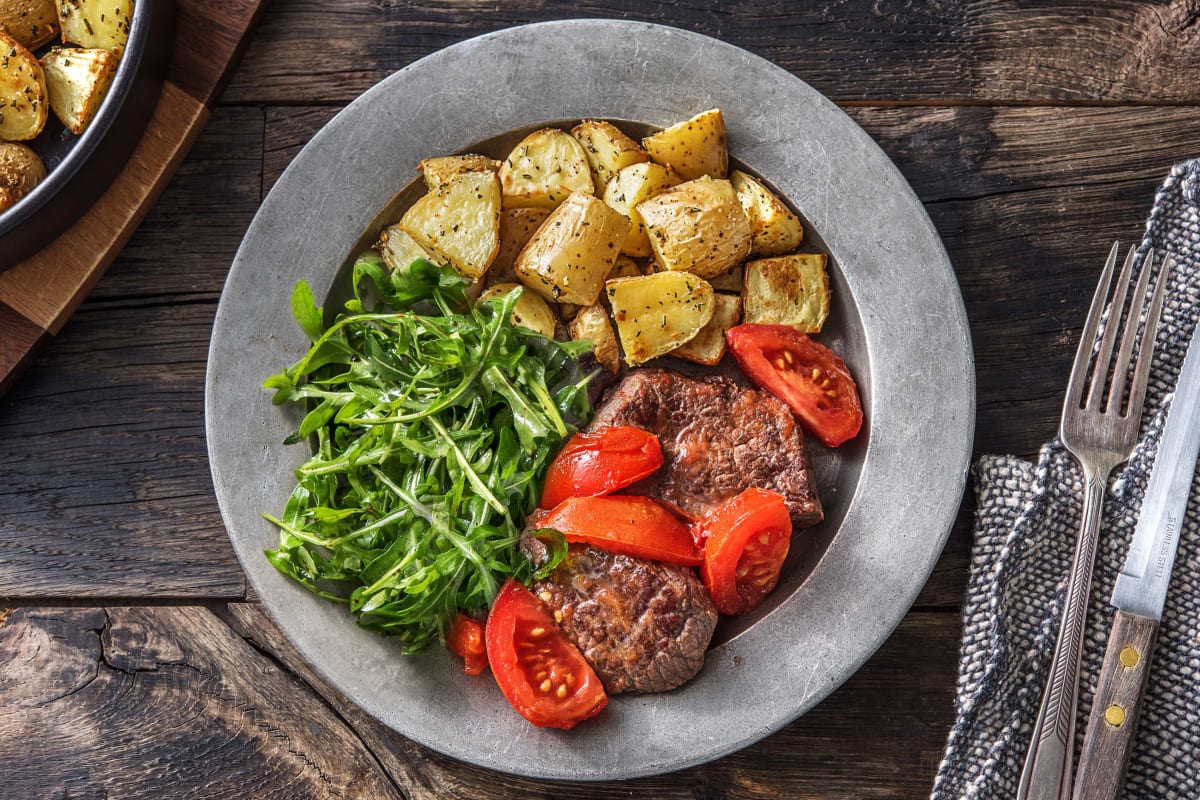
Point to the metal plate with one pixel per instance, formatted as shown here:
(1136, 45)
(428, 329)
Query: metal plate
(898, 320)
(79, 168)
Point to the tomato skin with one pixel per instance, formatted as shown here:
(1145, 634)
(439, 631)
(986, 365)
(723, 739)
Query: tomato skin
(466, 640)
(528, 651)
(633, 526)
(746, 539)
(808, 376)
(600, 462)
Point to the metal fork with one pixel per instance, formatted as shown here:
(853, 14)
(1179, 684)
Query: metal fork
(1099, 429)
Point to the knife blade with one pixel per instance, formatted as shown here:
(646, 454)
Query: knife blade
(1141, 593)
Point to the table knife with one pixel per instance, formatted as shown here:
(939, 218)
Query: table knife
(1140, 593)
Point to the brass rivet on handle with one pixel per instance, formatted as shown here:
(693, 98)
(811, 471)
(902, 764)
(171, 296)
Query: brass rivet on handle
(1129, 657)
(1114, 715)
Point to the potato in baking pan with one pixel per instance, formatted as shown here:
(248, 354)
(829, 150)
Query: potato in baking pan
(23, 105)
(33, 23)
(77, 81)
(99, 24)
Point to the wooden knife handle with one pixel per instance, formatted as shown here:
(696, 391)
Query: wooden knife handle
(1115, 708)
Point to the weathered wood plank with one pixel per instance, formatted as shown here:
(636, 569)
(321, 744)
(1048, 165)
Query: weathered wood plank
(1072, 52)
(164, 702)
(844, 748)
(107, 491)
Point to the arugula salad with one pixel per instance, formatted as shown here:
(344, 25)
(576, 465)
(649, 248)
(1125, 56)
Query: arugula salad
(433, 422)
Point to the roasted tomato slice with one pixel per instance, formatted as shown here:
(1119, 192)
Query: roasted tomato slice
(538, 669)
(746, 539)
(806, 375)
(465, 640)
(633, 526)
(600, 462)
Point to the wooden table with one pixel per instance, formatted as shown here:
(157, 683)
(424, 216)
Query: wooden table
(135, 662)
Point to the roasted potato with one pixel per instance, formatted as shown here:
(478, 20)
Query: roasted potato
(530, 311)
(77, 80)
(657, 313)
(544, 169)
(573, 251)
(33, 23)
(630, 186)
(591, 323)
(694, 147)
(20, 170)
(625, 267)
(608, 150)
(730, 281)
(459, 222)
(698, 226)
(517, 226)
(774, 229)
(398, 249)
(23, 106)
(708, 346)
(99, 24)
(787, 290)
(437, 171)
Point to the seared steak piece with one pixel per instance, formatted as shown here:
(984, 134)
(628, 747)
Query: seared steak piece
(717, 438)
(643, 625)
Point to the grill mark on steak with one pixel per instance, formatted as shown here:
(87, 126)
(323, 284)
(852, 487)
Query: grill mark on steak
(644, 626)
(718, 438)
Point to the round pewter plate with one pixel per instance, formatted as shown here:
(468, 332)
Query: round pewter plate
(898, 319)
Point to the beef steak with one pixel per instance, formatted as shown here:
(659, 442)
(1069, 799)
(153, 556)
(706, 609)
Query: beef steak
(717, 437)
(644, 626)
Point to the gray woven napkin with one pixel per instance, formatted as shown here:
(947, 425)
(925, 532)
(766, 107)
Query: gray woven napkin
(1025, 531)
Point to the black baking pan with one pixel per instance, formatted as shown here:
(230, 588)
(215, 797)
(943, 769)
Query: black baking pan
(80, 168)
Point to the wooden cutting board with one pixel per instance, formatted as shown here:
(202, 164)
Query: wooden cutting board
(39, 294)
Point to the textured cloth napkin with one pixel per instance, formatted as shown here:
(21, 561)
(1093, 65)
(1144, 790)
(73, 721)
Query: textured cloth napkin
(1025, 531)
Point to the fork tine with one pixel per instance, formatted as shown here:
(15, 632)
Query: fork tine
(1111, 325)
(1141, 373)
(1116, 395)
(1088, 338)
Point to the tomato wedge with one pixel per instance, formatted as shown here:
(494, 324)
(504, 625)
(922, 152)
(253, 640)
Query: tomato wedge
(465, 640)
(539, 670)
(806, 375)
(746, 539)
(600, 462)
(633, 526)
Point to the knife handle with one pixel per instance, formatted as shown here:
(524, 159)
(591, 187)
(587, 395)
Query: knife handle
(1113, 720)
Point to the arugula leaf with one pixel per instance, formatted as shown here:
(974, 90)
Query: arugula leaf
(433, 423)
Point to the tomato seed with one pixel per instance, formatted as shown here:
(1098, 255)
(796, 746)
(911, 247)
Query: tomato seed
(562, 691)
(545, 687)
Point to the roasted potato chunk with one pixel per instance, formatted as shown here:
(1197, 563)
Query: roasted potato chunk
(608, 150)
(544, 169)
(591, 323)
(698, 226)
(573, 251)
(657, 313)
(708, 346)
(77, 81)
(625, 267)
(774, 229)
(517, 226)
(99, 24)
(398, 249)
(437, 171)
(631, 186)
(788, 290)
(23, 106)
(459, 222)
(33, 23)
(730, 281)
(694, 147)
(20, 170)
(530, 311)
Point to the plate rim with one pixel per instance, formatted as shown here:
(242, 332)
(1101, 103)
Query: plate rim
(729, 658)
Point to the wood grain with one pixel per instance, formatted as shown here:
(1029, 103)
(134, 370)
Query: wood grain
(20, 337)
(213, 35)
(1075, 52)
(1116, 707)
(164, 702)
